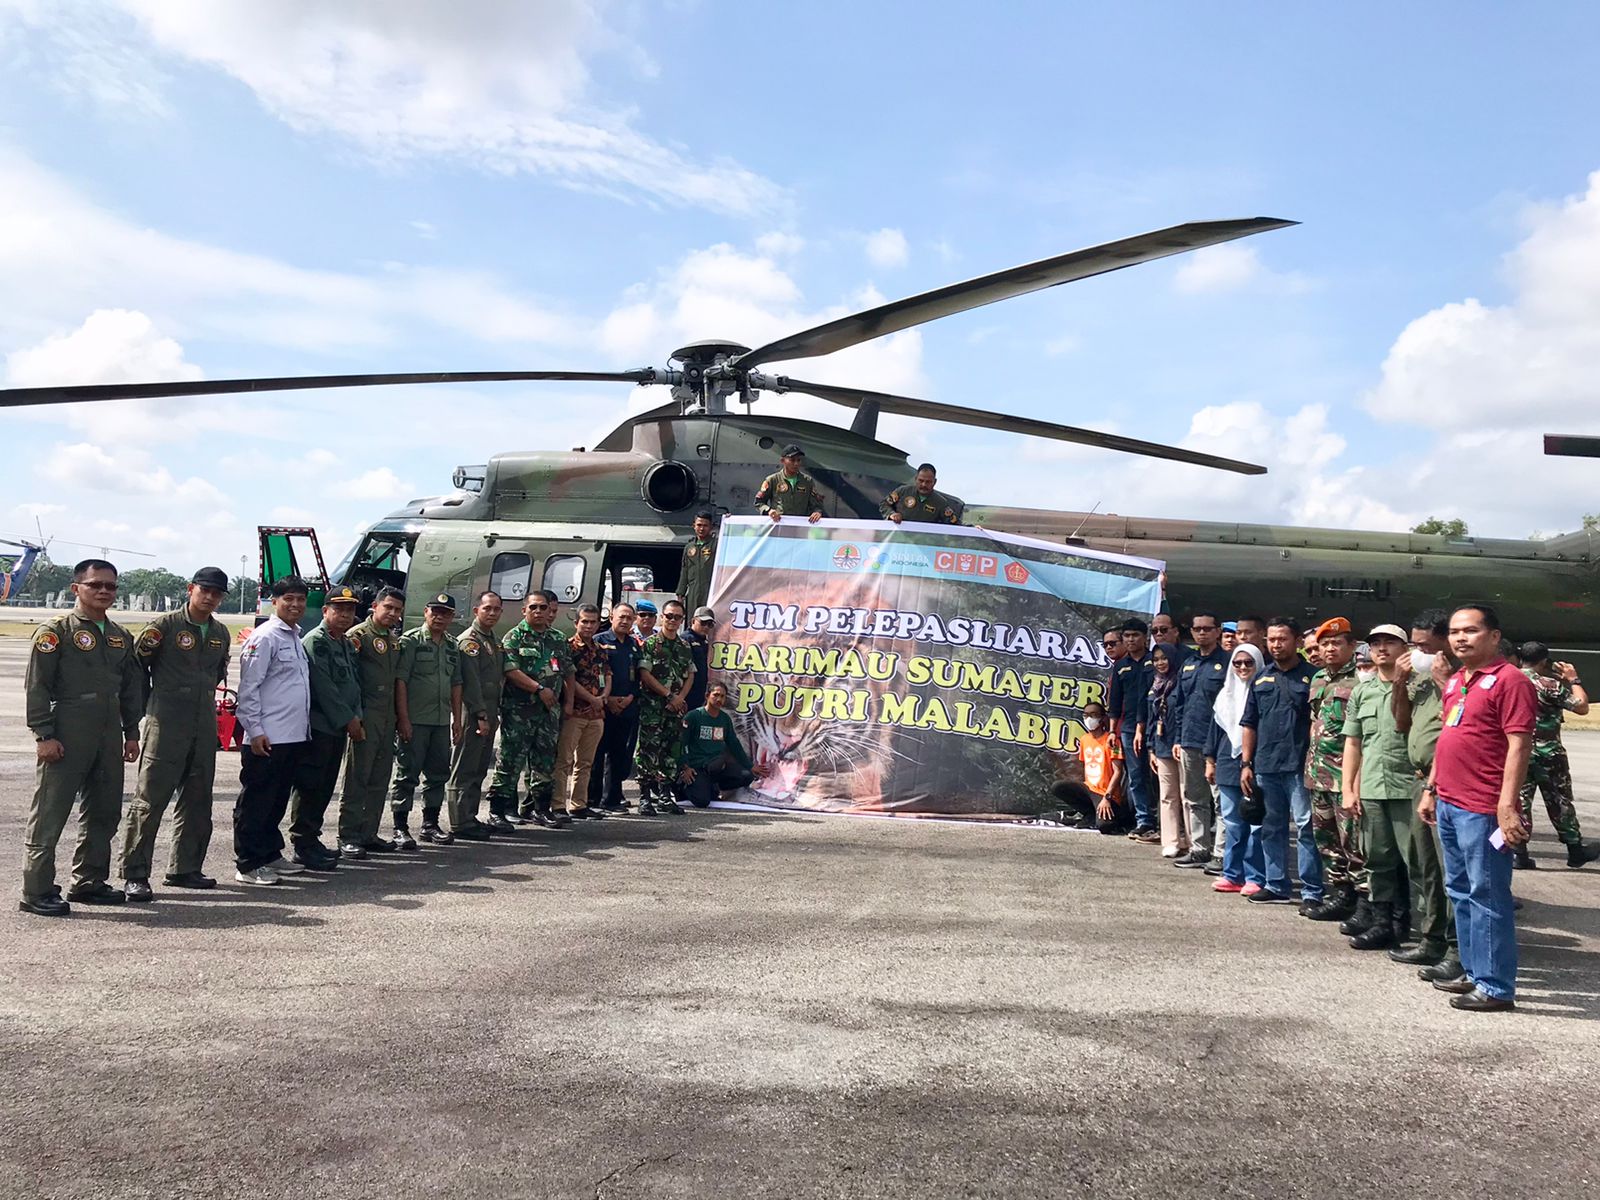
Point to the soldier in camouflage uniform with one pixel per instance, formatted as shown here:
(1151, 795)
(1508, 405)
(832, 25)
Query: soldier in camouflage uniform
(694, 575)
(482, 678)
(427, 713)
(1336, 831)
(537, 663)
(918, 501)
(666, 672)
(790, 492)
(368, 763)
(1560, 692)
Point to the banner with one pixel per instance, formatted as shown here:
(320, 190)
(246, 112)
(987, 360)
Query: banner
(925, 669)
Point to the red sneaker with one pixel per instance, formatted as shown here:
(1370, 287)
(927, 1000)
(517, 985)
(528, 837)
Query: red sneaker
(1250, 889)
(1227, 885)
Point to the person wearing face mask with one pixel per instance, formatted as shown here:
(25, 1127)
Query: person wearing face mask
(1157, 737)
(1094, 801)
(1243, 867)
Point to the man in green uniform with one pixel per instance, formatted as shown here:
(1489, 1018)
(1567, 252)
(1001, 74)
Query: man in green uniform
(790, 492)
(482, 678)
(666, 672)
(427, 720)
(335, 722)
(83, 705)
(536, 666)
(182, 657)
(368, 763)
(694, 576)
(1336, 832)
(1560, 691)
(918, 501)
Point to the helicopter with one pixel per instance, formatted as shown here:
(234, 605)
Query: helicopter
(590, 522)
(15, 577)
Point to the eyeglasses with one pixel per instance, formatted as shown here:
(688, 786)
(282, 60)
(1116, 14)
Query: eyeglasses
(672, 616)
(1202, 628)
(1111, 642)
(99, 586)
(1244, 664)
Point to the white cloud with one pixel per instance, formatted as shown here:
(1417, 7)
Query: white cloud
(426, 230)
(129, 471)
(1224, 268)
(380, 483)
(1065, 344)
(887, 248)
(111, 346)
(780, 245)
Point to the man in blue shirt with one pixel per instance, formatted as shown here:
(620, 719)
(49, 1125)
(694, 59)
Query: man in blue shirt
(613, 757)
(1200, 679)
(1130, 680)
(1276, 735)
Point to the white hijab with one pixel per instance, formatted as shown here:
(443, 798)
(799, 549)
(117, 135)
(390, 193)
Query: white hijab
(1235, 691)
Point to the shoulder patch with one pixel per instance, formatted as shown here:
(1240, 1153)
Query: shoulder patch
(46, 642)
(354, 639)
(150, 637)
(469, 648)
(1266, 679)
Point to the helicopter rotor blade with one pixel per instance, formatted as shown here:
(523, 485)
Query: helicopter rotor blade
(1027, 426)
(18, 397)
(1002, 285)
(1572, 445)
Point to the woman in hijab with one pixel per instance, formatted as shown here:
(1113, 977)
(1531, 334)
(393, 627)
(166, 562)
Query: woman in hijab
(1243, 865)
(1158, 733)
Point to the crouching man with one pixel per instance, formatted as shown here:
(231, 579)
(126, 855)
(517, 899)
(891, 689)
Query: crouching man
(714, 760)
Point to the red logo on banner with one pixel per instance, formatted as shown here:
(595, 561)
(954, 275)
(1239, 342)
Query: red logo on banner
(955, 562)
(1016, 572)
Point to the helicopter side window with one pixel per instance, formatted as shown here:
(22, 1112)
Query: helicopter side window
(509, 575)
(563, 575)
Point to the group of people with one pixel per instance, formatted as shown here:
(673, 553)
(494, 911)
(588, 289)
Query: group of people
(541, 725)
(1405, 764)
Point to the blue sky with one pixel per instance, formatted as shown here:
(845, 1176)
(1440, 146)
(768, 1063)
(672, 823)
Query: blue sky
(198, 190)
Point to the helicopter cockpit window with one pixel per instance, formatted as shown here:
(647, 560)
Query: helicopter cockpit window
(509, 575)
(380, 559)
(563, 575)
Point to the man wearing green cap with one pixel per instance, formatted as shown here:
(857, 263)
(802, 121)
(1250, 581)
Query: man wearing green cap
(427, 716)
(182, 656)
(790, 492)
(335, 722)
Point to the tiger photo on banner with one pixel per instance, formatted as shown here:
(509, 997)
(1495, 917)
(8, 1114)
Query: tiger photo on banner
(911, 668)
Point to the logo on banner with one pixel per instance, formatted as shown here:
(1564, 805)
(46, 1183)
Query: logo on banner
(1016, 573)
(847, 557)
(959, 562)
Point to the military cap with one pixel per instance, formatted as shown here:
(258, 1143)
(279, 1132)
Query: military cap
(1230, 627)
(344, 594)
(1392, 631)
(792, 451)
(704, 614)
(644, 606)
(1333, 627)
(211, 577)
(443, 600)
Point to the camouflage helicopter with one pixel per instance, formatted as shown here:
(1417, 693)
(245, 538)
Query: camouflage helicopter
(585, 523)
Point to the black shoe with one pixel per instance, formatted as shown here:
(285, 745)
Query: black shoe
(671, 807)
(499, 824)
(587, 814)
(533, 817)
(1423, 954)
(96, 893)
(1193, 859)
(1582, 852)
(1337, 905)
(646, 809)
(1380, 934)
(1521, 860)
(1479, 1000)
(1447, 968)
(1214, 868)
(191, 879)
(137, 891)
(352, 850)
(615, 806)
(1360, 921)
(45, 906)
(555, 820)
(379, 845)
(1266, 897)
(514, 818)
(1307, 907)
(435, 836)
(475, 832)
(1459, 986)
(403, 839)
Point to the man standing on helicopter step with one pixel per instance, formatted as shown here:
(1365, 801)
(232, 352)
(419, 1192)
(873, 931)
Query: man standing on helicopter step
(918, 501)
(666, 673)
(694, 576)
(790, 492)
(537, 663)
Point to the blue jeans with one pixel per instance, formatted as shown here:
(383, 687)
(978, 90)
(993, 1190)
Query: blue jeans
(1285, 794)
(1136, 780)
(1477, 878)
(1241, 855)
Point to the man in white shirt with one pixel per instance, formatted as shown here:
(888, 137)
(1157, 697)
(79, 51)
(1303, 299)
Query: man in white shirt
(275, 713)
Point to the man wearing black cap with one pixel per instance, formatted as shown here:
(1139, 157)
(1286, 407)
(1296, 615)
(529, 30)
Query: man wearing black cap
(694, 576)
(182, 656)
(335, 722)
(790, 492)
(427, 708)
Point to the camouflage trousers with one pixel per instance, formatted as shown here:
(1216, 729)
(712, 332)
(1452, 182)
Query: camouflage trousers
(528, 736)
(1338, 838)
(655, 761)
(1551, 774)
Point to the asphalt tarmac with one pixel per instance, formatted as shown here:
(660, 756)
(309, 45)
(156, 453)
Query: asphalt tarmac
(736, 1004)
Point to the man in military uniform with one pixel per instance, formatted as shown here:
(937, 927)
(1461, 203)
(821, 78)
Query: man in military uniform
(84, 701)
(666, 672)
(182, 657)
(694, 576)
(918, 501)
(482, 678)
(368, 763)
(644, 622)
(536, 665)
(1337, 832)
(1560, 691)
(427, 720)
(335, 722)
(790, 492)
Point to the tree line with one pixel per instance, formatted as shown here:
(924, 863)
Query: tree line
(165, 589)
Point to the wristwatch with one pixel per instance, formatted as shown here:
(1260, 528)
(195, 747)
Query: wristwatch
(1247, 762)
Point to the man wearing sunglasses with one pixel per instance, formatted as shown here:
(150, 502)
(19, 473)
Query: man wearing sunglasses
(666, 673)
(84, 702)
(538, 662)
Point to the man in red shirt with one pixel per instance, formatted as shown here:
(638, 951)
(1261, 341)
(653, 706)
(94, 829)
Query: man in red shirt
(1472, 794)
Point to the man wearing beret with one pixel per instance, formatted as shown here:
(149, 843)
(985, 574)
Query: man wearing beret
(427, 714)
(790, 492)
(335, 722)
(1337, 831)
(182, 656)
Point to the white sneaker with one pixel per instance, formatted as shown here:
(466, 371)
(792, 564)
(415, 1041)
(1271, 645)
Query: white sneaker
(284, 867)
(260, 877)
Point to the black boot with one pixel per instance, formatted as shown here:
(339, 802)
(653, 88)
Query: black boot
(1580, 853)
(1401, 923)
(1521, 860)
(1443, 971)
(1380, 932)
(1360, 920)
(1339, 903)
(1423, 954)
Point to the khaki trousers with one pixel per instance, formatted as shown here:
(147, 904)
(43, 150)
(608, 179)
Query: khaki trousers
(574, 760)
